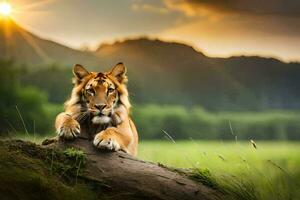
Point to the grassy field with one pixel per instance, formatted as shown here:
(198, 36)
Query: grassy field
(269, 172)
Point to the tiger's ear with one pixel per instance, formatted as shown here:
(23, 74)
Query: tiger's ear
(119, 71)
(79, 71)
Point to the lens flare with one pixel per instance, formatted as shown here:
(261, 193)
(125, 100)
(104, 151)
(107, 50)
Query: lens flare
(5, 9)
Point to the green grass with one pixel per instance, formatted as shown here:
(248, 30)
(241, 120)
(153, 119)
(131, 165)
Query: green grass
(272, 171)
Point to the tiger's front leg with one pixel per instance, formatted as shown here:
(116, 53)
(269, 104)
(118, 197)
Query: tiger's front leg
(67, 127)
(111, 139)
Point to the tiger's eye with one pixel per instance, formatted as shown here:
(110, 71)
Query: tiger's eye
(110, 90)
(90, 91)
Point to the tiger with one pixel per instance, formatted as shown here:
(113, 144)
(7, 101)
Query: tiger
(99, 108)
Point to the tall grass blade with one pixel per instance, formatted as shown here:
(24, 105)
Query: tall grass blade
(169, 136)
(19, 113)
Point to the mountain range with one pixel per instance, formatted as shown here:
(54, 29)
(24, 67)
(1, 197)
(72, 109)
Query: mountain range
(169, 72)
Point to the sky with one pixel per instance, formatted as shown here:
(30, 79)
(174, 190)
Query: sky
(218, 28)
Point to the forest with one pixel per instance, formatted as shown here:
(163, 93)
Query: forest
(31, 98)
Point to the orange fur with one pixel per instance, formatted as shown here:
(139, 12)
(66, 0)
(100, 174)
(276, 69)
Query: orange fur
(100, 99)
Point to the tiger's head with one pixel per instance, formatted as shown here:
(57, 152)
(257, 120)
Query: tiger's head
(99, 94)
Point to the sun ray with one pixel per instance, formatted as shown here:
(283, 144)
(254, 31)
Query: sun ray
(35, 5)
(30, 41)
(9, 16)
(7, 34)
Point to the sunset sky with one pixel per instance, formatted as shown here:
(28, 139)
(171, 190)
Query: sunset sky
(216, 27)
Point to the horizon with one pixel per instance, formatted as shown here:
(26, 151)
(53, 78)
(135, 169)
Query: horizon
(147, 37)
(211, 28)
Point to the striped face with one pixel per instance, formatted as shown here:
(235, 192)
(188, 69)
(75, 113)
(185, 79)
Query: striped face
(100, 95)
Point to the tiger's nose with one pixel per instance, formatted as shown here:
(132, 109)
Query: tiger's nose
(100, 106)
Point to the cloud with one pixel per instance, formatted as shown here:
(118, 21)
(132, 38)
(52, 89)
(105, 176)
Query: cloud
(149, 8)
(227, 27)
(249, 7)
(262, 17)
(226, 38)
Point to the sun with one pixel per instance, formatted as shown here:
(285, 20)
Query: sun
(5, 9)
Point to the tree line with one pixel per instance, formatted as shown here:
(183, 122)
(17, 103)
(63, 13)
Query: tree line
(30, 99)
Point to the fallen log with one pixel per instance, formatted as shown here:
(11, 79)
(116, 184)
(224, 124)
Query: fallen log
(119, 176)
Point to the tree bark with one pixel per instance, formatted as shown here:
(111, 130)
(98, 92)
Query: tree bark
(122, 174)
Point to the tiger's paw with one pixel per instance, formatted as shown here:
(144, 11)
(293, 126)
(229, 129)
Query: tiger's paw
(69, 130)
(106, 143)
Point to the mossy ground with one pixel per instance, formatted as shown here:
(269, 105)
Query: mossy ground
(28, 173)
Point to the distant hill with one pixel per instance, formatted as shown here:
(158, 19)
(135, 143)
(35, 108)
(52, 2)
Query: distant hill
(26, 48)
(167, 72)
(176, 73)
